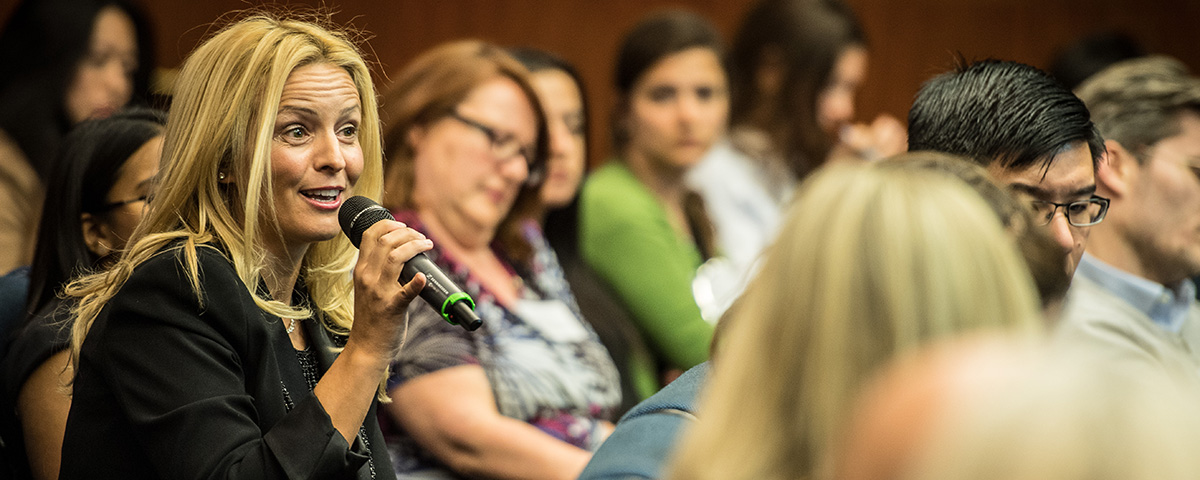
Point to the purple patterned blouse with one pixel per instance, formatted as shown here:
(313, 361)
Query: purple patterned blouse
(545, 364)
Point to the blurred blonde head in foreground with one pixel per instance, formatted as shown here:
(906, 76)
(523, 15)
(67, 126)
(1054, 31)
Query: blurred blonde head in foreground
(870, 263)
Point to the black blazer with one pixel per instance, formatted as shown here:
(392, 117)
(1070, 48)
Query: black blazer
(166, 388)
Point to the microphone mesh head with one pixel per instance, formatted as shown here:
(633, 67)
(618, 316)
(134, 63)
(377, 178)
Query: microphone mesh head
(357, 214)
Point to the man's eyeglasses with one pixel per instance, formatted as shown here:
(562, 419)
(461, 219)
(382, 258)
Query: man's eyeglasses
(1083, 213)
(504, 146)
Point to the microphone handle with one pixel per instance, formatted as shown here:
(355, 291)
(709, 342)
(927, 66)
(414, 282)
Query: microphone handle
(455, 306)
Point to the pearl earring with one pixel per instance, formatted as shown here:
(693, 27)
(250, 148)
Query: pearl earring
(221, 176)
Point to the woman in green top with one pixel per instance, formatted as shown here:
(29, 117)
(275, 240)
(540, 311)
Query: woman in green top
(641, 230)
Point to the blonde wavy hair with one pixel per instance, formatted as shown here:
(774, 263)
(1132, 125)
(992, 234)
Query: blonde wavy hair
(870, 263)
(222, 121)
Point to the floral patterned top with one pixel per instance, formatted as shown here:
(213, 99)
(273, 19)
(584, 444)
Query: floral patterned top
(544, 363)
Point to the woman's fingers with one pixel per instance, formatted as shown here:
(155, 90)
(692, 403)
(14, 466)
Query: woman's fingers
(387, 245)
(413, 288)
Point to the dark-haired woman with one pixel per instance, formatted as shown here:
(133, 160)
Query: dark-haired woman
(561, 91)
(795, 68)
(96, 196)
(640, 228)
(65, 61)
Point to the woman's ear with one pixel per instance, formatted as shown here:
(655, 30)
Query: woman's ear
(1116, 170)
(96, 234)
(224, 178)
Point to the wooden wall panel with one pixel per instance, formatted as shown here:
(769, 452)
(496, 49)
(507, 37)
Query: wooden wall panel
(910, 40)
(913, 40)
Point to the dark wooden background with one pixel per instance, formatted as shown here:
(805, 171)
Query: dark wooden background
(910, 40)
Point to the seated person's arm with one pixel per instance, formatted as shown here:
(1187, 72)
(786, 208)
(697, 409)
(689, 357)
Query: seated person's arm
(42, 406)
(451, 412)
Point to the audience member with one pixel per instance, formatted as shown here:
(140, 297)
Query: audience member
(647, 435)
(1132, 298)
(1032, 135)
(467, 142)
(561, 91)
(857, 281)
(210, 347)
(640, 227)
(65, 61)
(795, 68)
(95, 197)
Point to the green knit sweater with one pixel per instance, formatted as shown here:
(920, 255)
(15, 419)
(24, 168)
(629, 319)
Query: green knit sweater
(625, 236)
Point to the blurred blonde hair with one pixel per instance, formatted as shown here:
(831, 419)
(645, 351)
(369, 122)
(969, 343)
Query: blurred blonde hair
(1042, 255)
(870, 263)
(222, 121)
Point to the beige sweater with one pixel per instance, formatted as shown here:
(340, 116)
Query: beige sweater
(1103, 323)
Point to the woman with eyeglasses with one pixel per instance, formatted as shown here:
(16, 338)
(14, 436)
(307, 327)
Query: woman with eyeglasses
(95, 197)
(530, 393)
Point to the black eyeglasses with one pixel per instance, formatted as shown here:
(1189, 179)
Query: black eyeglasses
(114, 205)
(1083, 213)
(504, 146)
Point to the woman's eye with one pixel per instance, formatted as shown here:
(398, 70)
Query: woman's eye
(292, 133)
(575, 124)
(661, 94)
(577, 128)
(95, 59)
(349, 131)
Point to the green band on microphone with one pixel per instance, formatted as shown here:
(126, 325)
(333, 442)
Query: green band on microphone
(451, 300)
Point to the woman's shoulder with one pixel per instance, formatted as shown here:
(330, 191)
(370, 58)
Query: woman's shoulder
(46, 333)
(174, 257)
(165, 291)
(173, 271)
(612, 179)
(612, 192)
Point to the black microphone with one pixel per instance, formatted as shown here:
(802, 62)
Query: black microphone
(358, 213)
